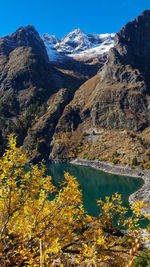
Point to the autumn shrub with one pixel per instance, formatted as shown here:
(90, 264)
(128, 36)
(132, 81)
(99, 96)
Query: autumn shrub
(142, 260)
(41, 225)
(115, 160)
(134, 161)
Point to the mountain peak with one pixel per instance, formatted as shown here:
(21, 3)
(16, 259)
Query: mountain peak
(136, 36)
(26, 36)
(73, 35)
(131, 47)
(51, 38)
(75, 32)
(28, 28)
(77, 44)
(146, 12)
(26, 31)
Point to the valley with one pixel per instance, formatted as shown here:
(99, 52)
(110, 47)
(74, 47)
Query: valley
(85, 96)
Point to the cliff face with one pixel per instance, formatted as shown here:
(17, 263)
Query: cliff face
(119, 96)
(131, 47)
(55, 109)
(123, 92)
(24, 70)
(33, 91)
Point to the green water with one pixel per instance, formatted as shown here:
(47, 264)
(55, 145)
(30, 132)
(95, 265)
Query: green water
(95, 184)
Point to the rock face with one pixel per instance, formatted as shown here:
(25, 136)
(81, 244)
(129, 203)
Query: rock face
(41, 99)
(23, 37)
(23, 66)
(33, 92)
(77, 44)
(79, 52)
(131, 47)
(119, 96)
(126, 76)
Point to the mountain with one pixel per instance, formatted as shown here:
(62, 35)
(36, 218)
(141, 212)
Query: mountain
(33, 93)
(86, 95)
(77, 45)
(113, 103)
(34, 90)
(79, 52)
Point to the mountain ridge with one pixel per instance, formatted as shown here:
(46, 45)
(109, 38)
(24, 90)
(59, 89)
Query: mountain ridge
(34, 92)
(117, 104)
(61, 110)
(77, 44)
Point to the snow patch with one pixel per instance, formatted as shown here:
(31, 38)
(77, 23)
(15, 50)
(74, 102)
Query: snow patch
(77, 44)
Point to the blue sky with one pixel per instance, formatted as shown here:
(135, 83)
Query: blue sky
(59, 17)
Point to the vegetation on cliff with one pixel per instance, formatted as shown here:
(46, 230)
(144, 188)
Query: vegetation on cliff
(42, 100)
(123, 147)
(43, 225)
(112, 107)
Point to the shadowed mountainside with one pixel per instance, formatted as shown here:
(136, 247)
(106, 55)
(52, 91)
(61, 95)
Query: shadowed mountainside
(33, 91)
(61, 109)
(118, 96)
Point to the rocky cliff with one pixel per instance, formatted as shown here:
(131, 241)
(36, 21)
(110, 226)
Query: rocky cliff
(119, 96)
(34, 91)
(78, 106)
(79, 52)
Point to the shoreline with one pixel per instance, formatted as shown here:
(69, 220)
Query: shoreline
(141, 194)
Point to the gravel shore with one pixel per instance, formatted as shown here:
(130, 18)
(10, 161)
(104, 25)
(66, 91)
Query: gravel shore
(142, 194)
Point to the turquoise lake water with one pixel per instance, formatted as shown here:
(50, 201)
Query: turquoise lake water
(95, 184)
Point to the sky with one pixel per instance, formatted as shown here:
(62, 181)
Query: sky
(59, 17)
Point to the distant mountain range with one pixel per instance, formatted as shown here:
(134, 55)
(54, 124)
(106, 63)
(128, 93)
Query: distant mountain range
(77, 45)
(87, 95)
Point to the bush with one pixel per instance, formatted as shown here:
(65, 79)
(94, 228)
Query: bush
(40, 224)
(142, 260)
(135, 161)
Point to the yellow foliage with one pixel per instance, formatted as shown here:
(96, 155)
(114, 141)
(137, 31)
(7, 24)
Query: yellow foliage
(38, 228)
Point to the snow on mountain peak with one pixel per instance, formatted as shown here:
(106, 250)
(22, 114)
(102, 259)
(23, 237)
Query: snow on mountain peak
(77, 44)
(51, 39)
(75, 41)
(74, 33)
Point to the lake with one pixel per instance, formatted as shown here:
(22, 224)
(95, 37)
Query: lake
(95, 184)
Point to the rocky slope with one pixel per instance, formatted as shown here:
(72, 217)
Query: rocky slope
(30, 88)
(78, 51)
(34, 90)
(61, 103)
(116, 98)
(77, 45)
